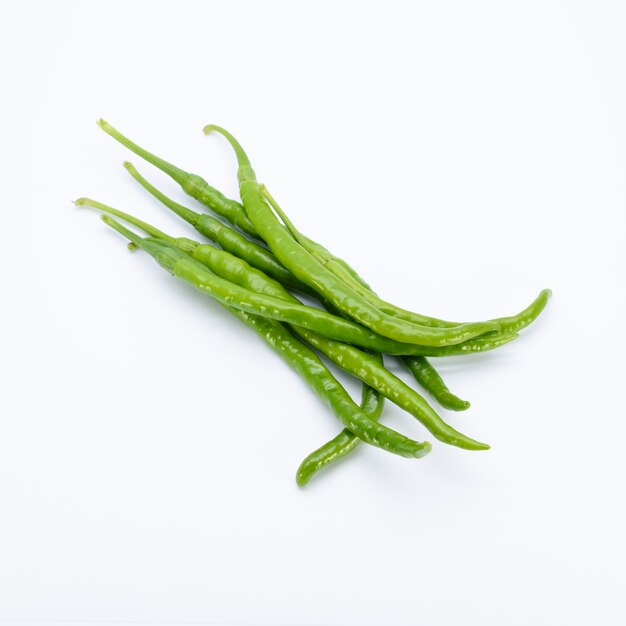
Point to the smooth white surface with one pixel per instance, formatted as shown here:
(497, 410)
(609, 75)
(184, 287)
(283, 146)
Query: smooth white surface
(462, 156)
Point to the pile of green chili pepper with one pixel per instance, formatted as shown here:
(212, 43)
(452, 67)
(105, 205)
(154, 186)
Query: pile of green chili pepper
(261, 263)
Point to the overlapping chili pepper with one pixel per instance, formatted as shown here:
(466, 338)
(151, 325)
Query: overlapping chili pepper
(353, 330)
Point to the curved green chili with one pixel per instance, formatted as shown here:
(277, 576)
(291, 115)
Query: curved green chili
(309, 270)
(227, 238)
(350, 278)
(423, 371)
(507, 324)
(351, 359)
(344, 442)
(372, 401)
(192, 184)
(356, 362)
(235, 213)
(309, 317)
(428, 377)
(186, 268)
(300, 357)
(304, 361)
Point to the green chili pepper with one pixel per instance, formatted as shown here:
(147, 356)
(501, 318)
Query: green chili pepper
(262, 259)
(192, 184)
(423, 371)
(199, 189)
(309, 270)
(226, 237)
(356, 419)
(234, 212)
(259, 299)
(300, 357)
(372, 401)
(349, 276)
(354, 361)
(514, 323)
(184, 267)
(428, 377)
(507, 324)
(344, 442)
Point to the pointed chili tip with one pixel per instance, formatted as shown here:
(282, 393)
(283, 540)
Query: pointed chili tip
(548, 292)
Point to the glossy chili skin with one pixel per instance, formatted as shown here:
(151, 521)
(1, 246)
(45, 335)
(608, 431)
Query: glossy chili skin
(360, 364)
(306, 363)
(423, 371)
(227, 238)
(307, 317)
(428, 377)
(515, 323)
(372, 401)
(507, 324)
(309, 270)
(300, 357)
(190, 270)
(260, 258)
(235, 213)
(342, 444)
(354, 361)
(372, 404)
(425, 374)
(320, 321)
(313, 319)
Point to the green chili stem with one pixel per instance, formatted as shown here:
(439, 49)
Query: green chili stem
(131, 219)
(295, 233)
(171, 170)
(192, 217)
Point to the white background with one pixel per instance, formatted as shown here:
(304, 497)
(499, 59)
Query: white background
(462, 156)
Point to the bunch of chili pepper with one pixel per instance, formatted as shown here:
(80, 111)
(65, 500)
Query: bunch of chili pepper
(263, 259)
